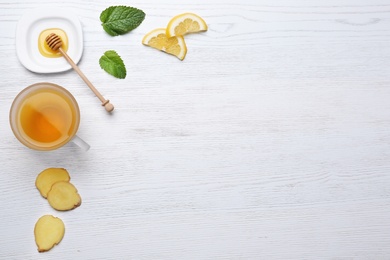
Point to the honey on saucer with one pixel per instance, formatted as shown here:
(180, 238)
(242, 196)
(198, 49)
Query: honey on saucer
(45, 50)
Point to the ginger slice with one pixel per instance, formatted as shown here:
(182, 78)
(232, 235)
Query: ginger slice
(48, 232)
(63, 196)
(48, 177)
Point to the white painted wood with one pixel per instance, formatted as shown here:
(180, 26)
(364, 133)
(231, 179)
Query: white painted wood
(271, 140)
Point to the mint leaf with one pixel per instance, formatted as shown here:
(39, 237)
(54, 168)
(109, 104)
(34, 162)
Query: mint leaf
(118, 20)
(113, 64)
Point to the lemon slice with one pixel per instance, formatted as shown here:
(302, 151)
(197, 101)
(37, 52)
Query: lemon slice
(185, 23)
(159, 40)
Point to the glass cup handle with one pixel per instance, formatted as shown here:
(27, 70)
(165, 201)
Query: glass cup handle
(81, 143)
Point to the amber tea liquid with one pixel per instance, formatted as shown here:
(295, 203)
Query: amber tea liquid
(46, 117)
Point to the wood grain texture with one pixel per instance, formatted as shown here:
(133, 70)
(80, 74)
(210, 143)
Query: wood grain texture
(271, 140)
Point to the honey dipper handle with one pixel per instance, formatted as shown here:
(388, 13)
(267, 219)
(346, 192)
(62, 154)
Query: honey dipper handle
(106, 103)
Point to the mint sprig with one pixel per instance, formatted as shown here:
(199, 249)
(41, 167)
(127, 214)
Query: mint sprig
(113, 64)
(118, 20)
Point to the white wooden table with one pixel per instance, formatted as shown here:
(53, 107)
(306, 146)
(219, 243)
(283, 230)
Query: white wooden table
(271, 140)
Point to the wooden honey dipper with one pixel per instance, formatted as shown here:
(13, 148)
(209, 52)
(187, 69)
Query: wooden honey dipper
(55, 43)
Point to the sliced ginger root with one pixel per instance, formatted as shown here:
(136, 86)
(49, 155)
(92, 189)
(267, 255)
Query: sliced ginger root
(63, 196)
(48, 177)
(48, 232)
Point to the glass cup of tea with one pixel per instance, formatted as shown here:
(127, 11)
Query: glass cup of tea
(46, 116)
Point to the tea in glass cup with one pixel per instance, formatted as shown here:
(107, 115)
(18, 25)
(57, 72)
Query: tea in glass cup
(45, 116)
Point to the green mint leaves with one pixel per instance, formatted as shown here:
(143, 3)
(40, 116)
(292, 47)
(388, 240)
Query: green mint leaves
(118, 20)
(113, 64)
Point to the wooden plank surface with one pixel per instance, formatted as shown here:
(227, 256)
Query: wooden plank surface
(271, 140)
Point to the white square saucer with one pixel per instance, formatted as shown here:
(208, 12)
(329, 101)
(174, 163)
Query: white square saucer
(32, 24)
